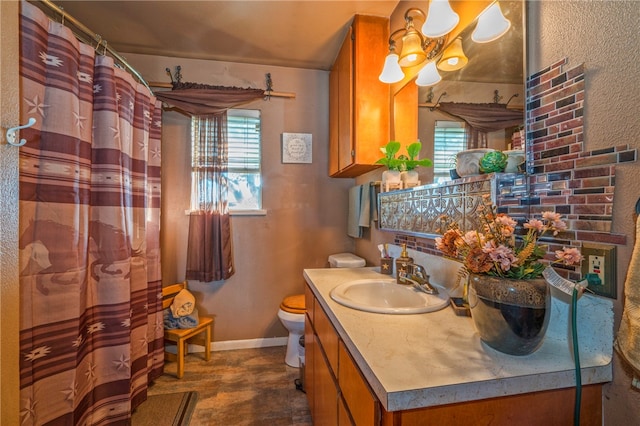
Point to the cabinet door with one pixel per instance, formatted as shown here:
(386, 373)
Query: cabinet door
(309, 358)
(328, 338)
(334, 134)
(343, 414)
(325, 393)
(371, 102)
(309, 302)
(358, 101)
(340, 107)
(362, 404)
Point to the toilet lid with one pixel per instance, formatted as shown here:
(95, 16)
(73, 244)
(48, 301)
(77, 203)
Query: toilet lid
(293, 304)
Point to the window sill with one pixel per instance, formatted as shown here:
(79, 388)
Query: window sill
(260, 212)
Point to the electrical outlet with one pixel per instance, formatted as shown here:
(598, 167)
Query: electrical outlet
(599, 268)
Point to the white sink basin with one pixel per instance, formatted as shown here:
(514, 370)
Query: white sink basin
(384, 296)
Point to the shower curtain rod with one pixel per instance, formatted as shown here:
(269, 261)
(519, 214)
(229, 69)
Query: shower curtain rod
(97, 38)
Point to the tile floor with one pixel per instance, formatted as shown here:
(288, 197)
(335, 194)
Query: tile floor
(240, 387)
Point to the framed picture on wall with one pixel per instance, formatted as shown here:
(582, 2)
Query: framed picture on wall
(296, 148)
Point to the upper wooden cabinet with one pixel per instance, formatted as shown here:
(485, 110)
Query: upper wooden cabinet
(359, 103)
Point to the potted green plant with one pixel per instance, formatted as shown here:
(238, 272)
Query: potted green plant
(392, 174)
(408, 164)
(402, 168)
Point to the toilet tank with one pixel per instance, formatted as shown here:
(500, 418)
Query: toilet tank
(346, 260)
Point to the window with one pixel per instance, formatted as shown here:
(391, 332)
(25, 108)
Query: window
(244, 177)
(449, 139)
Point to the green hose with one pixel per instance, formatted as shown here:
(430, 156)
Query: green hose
(576, 356)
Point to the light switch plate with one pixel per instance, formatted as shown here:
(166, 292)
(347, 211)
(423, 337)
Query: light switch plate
(600, 263)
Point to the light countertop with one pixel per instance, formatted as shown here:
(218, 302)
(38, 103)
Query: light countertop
(414, 361)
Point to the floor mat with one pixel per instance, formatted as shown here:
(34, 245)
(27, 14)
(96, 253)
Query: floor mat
(171, 409)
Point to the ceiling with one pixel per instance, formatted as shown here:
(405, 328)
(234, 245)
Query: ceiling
(299, 34)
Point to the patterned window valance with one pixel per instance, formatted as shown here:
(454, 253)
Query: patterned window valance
(203, 99)
(484, 117)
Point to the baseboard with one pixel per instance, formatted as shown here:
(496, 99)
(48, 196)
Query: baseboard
(249, 343)
(229, 345)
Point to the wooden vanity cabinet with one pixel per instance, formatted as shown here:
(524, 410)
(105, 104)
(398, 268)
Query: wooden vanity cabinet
(338, 393)
(359, 102)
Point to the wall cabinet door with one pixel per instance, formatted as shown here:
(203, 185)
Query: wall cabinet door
(359, 102)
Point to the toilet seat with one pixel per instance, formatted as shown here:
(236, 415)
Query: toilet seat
(293, 304)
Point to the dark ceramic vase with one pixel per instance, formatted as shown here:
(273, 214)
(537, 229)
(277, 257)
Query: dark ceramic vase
(510, 315)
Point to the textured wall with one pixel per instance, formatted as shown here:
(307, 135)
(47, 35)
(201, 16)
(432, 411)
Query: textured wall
(9, 306)
(306, 210)
(603, 36)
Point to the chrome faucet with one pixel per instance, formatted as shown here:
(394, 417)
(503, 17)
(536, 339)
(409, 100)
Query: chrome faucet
(417, 276)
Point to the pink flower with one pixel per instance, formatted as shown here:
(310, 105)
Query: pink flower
(502, 255)
(557, 226)
(534, 224)
(472, 238)
(507, 224)
(551, 216)
(569, 255)
(505, 220)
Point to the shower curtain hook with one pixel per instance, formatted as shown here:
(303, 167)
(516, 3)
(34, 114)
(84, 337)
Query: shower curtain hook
(11, 133)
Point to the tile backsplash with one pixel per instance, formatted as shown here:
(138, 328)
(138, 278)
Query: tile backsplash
(561, 175)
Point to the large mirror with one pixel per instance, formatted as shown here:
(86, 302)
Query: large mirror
(494, 74)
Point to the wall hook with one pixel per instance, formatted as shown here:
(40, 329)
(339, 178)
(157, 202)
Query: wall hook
(442, 95)
(11, 133)
(496, 96)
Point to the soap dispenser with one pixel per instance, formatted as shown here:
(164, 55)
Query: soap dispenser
(401, 265)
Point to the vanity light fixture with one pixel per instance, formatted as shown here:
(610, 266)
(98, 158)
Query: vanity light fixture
(416, 48)
(491, 25)
(453, 57)
(425, 46)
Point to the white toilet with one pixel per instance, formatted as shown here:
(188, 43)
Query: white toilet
(292, 309)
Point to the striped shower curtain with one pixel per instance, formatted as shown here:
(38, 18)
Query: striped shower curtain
(91, 332)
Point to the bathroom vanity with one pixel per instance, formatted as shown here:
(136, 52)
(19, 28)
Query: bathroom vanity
(376, 369)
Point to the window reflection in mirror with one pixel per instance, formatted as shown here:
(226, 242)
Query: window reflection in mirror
(494, 74)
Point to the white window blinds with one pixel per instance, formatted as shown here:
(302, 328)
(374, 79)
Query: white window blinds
(243, 136)
(449, 139)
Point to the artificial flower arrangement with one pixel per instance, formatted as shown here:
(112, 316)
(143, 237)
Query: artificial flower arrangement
(494, 249)
(403, 162)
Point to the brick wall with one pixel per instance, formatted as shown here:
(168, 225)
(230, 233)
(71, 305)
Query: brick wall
(561, 176)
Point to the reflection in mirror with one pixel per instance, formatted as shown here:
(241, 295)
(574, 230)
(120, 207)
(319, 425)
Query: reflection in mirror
(492, 78)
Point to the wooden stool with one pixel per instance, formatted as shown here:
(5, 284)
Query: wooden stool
(181, 336)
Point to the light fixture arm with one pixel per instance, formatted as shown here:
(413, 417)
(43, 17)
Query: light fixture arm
(431, 46)
(392, 41)
(408, 19)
